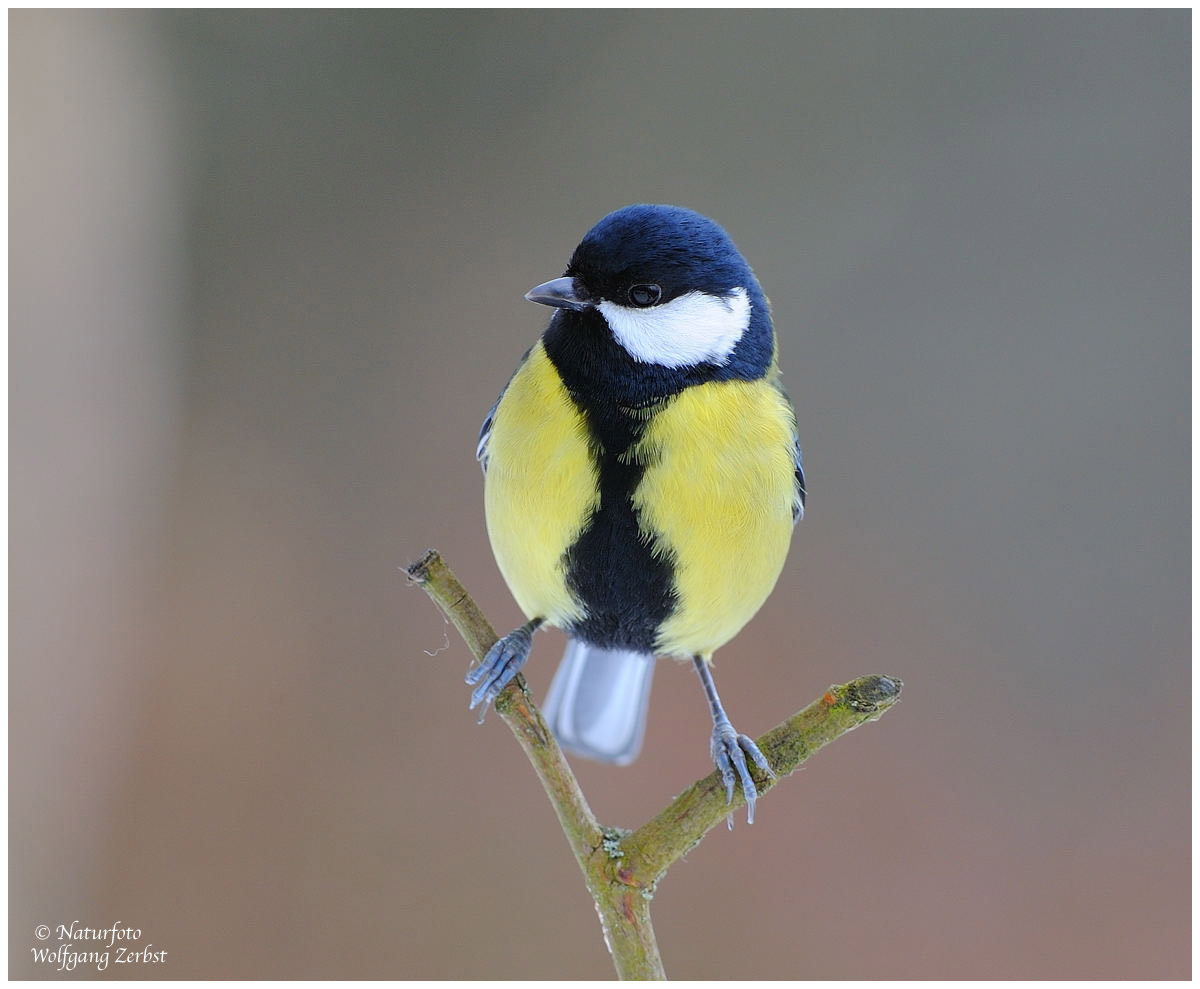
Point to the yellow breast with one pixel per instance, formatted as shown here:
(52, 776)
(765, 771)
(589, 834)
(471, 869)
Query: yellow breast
(717, 496)
(541, 488)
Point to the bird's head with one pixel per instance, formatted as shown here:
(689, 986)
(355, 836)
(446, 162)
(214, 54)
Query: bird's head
(670, 285)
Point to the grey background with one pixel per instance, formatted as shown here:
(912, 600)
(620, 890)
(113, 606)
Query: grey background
(266, 276)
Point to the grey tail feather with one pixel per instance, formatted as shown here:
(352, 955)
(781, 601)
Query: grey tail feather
(598, 701)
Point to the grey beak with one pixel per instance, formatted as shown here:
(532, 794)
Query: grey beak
(561, 293)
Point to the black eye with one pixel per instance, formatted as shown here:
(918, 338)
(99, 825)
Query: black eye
(644, 295)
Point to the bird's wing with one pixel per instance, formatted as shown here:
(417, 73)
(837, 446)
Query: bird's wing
(797, 460)
(798, 499)
(485, 434)
(485, 431)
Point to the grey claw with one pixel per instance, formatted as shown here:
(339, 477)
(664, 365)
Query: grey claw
(476, 672)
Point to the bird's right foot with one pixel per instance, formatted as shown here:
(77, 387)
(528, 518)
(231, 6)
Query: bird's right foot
(502, 662)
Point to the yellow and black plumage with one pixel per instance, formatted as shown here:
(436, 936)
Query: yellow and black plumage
(642, 475)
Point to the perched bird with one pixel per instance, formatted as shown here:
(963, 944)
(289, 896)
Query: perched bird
(642, 478)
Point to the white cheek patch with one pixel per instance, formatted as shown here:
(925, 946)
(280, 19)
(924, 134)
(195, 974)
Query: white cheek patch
(692, 329)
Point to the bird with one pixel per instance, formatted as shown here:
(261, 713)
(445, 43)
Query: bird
(642, 479)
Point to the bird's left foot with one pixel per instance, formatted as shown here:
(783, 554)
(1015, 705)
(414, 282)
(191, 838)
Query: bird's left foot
(502, 662)
(729, 751)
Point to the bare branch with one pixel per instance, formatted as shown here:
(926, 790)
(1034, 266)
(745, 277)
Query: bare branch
(622, 869)
(515, 706)
(651, 849)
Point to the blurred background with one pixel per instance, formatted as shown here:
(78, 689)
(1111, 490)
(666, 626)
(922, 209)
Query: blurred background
(266, 279)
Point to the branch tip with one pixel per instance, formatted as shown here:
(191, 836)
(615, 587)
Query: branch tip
(873, 693)
(418, 570)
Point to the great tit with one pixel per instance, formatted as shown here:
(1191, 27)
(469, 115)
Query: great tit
(642, 478)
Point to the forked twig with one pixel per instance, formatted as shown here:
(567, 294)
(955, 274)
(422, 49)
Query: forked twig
(622, 869)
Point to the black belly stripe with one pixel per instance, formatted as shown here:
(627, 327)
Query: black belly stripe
(627, 590)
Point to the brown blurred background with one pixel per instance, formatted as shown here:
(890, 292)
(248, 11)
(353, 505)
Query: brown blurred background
(266, 279)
